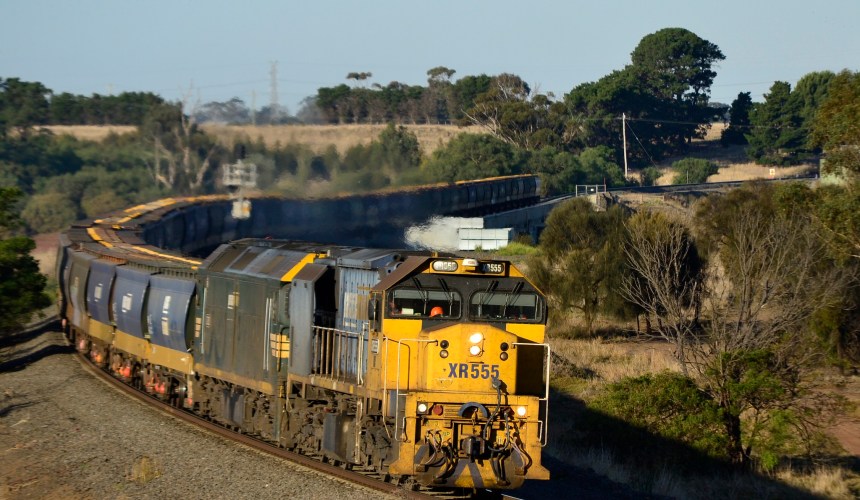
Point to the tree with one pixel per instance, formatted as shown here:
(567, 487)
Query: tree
(437, 99)
(182, 154)
(677, 66)
(809, 92)
(768, 272)
(233, 111)
(511, 112)
(739, 125)
(21, 285)
(666, 278)
(474, 156)
(836, 126)
(664, 92)
(776, 136)
(49, 212)
(23, 105)
(400, 147)
(332, 102)
(464, 92)
(579, 262)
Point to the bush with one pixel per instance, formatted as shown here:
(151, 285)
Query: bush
(45, 213)
(668, 405)
(693, 171)
(650, 176)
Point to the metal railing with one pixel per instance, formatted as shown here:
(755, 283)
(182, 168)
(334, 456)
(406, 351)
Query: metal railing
(338, 354)
(397, 388)
(543, 429)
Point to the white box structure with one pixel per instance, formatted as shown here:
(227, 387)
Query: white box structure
(457, 233)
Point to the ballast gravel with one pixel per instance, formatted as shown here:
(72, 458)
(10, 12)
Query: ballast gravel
(65, 434)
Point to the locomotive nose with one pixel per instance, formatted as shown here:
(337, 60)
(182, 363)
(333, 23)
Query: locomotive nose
(470, 357)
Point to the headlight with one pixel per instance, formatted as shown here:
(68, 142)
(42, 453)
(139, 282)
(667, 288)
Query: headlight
(521, 411)
(476, 338)
(443, 354)
(422, 408)
(475, 350)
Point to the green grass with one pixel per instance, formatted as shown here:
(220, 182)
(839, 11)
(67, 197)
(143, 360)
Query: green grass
(514, 249)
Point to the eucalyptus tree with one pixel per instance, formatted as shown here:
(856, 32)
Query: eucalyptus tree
(579, 262)
(747, 341)
(510, 111)
(23, 106)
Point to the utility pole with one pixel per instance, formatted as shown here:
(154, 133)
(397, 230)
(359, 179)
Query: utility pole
(275, 111)
(624, 139)
(254, 108)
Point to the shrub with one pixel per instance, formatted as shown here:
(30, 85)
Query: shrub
(693, 171)
(49, 212)
(668, 405)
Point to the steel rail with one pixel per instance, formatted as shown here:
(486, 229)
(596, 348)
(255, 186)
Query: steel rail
(369, 479)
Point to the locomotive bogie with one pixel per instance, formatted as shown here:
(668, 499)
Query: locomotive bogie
(483, 442)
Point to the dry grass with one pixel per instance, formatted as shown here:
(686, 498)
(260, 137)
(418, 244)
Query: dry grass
(46, 252)
(733, 163)
(610, 361)
(830, 482)
(582, 367)
(91, 132)
(342, 137)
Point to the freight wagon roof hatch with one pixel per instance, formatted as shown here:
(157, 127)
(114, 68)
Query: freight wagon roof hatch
(368, 258)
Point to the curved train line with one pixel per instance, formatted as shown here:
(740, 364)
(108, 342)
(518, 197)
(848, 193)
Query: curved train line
(431, 369)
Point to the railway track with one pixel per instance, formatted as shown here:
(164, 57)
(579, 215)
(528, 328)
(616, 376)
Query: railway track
(367, 478)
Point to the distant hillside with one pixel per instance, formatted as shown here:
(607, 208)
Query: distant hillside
(732, 161)
(342, 137)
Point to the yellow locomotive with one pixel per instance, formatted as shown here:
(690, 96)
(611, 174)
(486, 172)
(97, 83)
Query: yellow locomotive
(461, 343)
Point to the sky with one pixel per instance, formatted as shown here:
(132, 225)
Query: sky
(201, 51)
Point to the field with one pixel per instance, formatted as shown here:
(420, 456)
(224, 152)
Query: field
(733, 163)
(342, 137)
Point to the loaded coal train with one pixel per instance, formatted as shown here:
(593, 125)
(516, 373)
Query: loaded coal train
(430, 368)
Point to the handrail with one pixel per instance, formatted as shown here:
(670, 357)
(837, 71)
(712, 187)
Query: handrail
(397, 393)
(329, 346)
(543, 425)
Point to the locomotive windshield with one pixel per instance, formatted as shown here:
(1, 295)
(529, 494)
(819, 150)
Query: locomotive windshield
(503, 299)
(510, 305)
(423, 302)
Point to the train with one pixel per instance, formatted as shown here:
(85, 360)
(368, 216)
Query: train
(431, 369)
